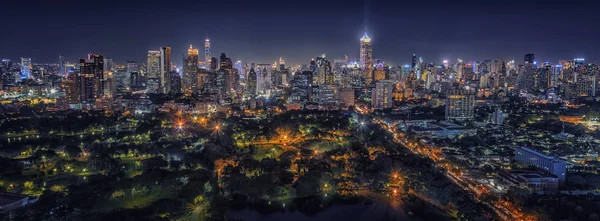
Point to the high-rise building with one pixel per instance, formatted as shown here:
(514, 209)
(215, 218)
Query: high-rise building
(251, 84)
(366, 57)
(175, 81)
(381, 95)
(460, 104)
(190, 76)
(153, 84)
(414, 63)
(328, 97)
(108, 63)
(529, 58)
(214, 64)
(165, 69)
(222, 83)
(328, 74)
(132, 66)
(207, 58)
(26, 68)
(91, 83)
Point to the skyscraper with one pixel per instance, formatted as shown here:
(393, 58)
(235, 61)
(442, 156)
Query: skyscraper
(529, 58)
(25, 68)
(175, 82)
(190, 76)
(251, 84)
(366, 57)
(91, 83)
(165, 69)
(207, 52)
(328, 74)
(153, 72)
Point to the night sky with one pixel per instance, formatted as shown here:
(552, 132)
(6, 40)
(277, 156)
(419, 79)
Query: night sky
(262, 31)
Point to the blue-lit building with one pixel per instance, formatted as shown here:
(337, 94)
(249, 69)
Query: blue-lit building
(553, 165)
(25, 68)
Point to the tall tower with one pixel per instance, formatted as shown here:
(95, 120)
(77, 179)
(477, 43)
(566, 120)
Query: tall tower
(251, 84)
(61, 66)
(366, 57)
(207, 52)
(191, 71)
(25, 68)
(91, 83)
(153, 64)
(165, 69)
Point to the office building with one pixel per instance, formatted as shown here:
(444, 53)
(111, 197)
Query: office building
(175, 82)
(165, 69)
(553, 165)
(190, 76)
(153, 72)
(460, 104)
(91, 78)
(26, 68)
(251, 84)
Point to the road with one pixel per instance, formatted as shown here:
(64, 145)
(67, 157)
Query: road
(503, 209)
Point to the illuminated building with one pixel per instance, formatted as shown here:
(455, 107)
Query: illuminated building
(190, 76)
(108, 63)
(91, 82)
(347, 97)
(366, 57)
(25, 68)
(301, 87)
(529, 157)
(165, 69)
(207, 58)
(460, 104)
(240, 68)
(132, 66)
(578, 62)
(544, 77)
(222, 83)
(379, 73)
(153, 72)
(327, 73)
(381, 95)
(328, 97)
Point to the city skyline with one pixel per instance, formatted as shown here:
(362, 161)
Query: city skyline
(303, 30)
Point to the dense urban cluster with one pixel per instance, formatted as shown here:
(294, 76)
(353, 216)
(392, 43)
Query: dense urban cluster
(215, 139)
